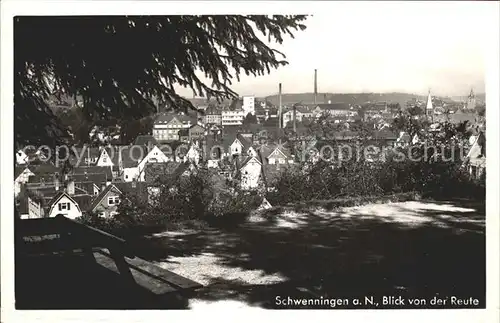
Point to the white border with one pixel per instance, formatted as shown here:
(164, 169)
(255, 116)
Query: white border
(12, 8)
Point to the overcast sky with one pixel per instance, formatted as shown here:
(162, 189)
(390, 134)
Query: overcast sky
(382, 47)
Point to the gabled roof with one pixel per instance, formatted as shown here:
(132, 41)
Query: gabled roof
(83, 200)
(102, 195)
(268, 149)
(59, 196)
(132, 155)
(244, 141)
(165, 118)
(86, 187)
(18, 170)
(212, 109)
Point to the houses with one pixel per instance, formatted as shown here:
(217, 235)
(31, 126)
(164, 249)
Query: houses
(248, 105)
(106, 203)
(476, 157)
(195, 132)
(213, 115)
(249, 170)
(167, 125)
(334, 109)
(234, 114)
(63, 203)
(21, 176)
(301, 113)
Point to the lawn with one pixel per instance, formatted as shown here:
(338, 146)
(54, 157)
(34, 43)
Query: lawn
(414, 249)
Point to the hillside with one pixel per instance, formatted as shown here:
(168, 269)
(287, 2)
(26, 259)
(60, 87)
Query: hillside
(351, 98)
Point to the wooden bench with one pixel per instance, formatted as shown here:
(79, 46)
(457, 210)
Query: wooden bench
(108, 251)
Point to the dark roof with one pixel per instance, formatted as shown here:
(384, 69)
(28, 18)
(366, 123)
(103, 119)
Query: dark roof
(153, 171)
(18, 171)
(98, 178)
(43, 169)
(131, 156)
(212, 110)
(333, 106)
(138, 189)
(144, 140)
(101, 196)
(244, 141)
(86, 187)
(106, 171)
(84, 201)
(167, 117)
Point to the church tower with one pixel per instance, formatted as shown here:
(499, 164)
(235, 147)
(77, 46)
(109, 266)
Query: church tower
(471, 101)
(429, 110)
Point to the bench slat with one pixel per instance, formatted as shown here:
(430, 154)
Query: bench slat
(166, 275)
(156, 286)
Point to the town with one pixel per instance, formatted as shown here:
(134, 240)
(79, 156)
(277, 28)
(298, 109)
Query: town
(204, 161)
(247, 142)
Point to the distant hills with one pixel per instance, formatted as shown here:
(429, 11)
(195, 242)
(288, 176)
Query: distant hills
(356, 98)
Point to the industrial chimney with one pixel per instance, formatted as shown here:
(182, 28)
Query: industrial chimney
(280, 108)
(295, 118)
(315, 85)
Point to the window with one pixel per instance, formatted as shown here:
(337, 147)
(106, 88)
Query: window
(105, 159)
(112, 200)
(64, 206)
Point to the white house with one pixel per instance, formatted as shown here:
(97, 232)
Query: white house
(104, 160)
(248, 105)
(22, 177)
(250, 173)
(236, 147)
(21, 157)
(63, 203)
(133, 161)
(106, 203)
(476, 157)
(279, 156)
(193, 154)
(251, 151)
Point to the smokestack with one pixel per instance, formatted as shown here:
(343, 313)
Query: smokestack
(295, 119)
(315, 85)
(279, 111)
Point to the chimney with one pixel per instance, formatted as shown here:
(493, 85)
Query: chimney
(70, 187)
(56, 181)
(315, 86)
(279, 111)
(295, 119)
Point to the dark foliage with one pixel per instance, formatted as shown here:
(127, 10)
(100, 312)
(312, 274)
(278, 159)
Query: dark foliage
(121, 65)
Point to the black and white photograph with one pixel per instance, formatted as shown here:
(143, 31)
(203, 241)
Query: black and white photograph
(328, 159)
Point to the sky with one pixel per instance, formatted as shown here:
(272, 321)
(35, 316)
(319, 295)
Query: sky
(382, 47)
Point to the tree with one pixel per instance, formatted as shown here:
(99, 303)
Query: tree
(250, 119)
(480, 110)
(415, 110)
(120, 65)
